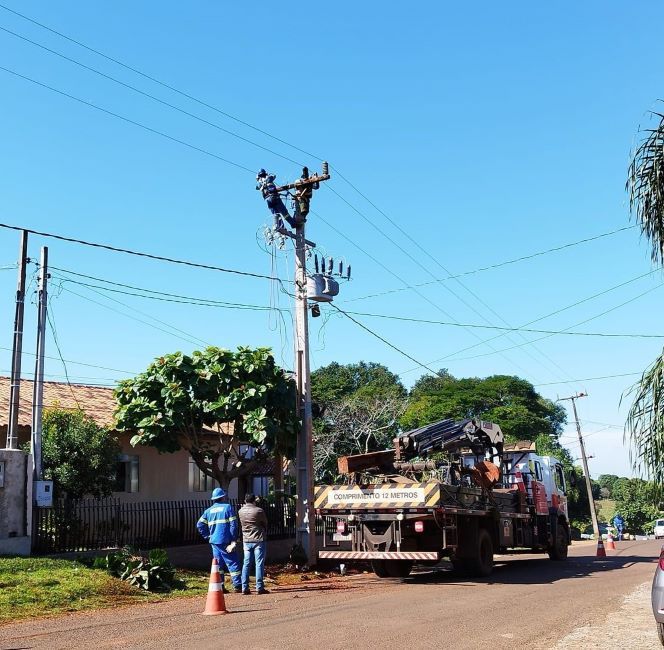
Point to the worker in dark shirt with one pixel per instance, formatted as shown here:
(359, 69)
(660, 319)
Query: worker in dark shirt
(302, 198)
(253, 521)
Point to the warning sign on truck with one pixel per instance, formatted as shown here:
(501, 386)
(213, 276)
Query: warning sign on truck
(415, 495)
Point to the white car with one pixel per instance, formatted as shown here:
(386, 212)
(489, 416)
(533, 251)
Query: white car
(659, 529)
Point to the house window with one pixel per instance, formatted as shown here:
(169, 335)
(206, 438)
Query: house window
(126, 474)
(198, 480)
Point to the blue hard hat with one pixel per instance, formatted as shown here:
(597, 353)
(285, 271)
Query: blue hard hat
(217, 493)
(261, 172)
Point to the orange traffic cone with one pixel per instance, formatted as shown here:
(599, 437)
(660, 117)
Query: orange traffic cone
(610, 544)
(600, 548)
(215, 599)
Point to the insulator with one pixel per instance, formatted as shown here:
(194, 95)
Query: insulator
(348, 273)
(316, 262)
(330, 266)
(322, 265)
(326, 168)
(341, 268)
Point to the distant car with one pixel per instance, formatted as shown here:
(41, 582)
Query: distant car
(659, 529)
(657, 596)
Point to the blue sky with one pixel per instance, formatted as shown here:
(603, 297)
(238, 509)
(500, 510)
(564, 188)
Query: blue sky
(485, 131)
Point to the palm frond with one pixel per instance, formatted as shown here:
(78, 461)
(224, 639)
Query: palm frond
(645, 423)
(645, 185)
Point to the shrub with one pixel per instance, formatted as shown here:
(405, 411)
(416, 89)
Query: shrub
(152, 573)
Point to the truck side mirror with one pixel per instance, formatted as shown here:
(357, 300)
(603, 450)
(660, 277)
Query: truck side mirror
(572, 479)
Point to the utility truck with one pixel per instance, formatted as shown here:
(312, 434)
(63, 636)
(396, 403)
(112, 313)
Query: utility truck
(450, 490)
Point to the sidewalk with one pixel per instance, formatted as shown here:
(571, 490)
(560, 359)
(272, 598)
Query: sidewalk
(632, 626)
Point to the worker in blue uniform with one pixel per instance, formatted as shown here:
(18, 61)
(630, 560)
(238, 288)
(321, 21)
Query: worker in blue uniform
(265, 183)
(619, 523)
(219, 526)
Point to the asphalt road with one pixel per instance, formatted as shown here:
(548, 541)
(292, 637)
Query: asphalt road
(528, 602)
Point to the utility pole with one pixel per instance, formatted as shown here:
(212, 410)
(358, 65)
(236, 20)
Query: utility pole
(17, 346)
(305, 531)
(38, 386)
(584, 459)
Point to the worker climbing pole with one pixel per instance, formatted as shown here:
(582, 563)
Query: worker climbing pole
(301, 192)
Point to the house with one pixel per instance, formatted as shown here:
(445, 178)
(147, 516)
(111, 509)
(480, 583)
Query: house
(143, 474)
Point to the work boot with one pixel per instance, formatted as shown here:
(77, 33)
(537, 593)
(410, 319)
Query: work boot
(260, 592)
(224, 590)
(238, 589)
(246, 592)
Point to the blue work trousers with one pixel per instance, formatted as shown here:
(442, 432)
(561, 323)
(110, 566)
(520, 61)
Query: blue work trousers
(229, 560)
(253, 551)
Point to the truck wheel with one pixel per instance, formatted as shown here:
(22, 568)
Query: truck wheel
(559, 549)
(378, 567)
(660, 632)
(398, 568)
(481, 564)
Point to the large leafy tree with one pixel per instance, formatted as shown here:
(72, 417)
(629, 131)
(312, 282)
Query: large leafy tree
(645, 184)
(229, 410)
(79, 456)
(511, 402)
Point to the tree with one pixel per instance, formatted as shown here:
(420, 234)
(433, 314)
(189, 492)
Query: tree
(355, 425)
(636, 502)
(229, 410)
(79, 456)
(335, 381)
(645, 420)
(362, 403)
(511, 402)
(607, 482)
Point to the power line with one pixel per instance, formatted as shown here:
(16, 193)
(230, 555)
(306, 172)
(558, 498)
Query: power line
(148, 95)
(159, 82)
(207, 122)
(179, 141)
(184, 336)
(497, 265)
(51, 324)
(553, 313)
(507, 329)
(587, 320)
(380, 338)
(126, 119)
(578, 381)
(151, 256)
(209, 302)
(152, 294)
(77, 363)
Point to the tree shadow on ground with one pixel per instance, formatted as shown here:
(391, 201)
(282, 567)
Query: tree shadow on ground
(517, 570)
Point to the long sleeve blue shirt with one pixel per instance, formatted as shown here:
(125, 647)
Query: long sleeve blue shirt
(218, 524)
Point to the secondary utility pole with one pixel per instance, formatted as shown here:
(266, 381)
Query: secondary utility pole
(17, 346)
(38, 386)
(584, 459)
(305, 532)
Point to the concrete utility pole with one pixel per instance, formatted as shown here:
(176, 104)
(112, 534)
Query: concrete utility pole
(17, 346)
(306, 520)
(584, 459)
(38, 386)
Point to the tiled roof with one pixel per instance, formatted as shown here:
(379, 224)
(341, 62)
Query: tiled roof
(95, 401)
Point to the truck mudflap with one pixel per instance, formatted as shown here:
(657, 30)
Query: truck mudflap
(379, 555)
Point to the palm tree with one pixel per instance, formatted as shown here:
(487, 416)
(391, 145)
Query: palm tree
(645, 420)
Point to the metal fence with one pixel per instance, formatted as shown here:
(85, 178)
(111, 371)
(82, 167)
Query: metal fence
(91, 524)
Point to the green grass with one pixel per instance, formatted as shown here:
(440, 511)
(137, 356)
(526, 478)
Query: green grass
(31, 587)
(606, 508)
